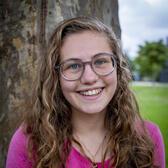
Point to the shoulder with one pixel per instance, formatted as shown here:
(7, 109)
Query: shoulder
(153, 130)
(17, 156)
(19, 135)
(19, 140)
(157, 139)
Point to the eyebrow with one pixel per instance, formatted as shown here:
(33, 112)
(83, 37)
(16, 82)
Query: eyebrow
(76, 58)
(73, 58)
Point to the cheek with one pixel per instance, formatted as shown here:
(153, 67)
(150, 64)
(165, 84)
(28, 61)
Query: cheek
(111, 83)
(112, 79)
(67, 86)
(64, 86)
(65, 89)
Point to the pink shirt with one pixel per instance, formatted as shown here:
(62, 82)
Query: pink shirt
(18, 158)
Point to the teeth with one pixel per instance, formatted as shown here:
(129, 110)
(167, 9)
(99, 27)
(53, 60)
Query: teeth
(91, 92)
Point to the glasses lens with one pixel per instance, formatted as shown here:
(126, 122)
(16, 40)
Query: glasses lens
(72, 69)
(103, 64)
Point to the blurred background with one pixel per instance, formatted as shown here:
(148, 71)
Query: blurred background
(25, 26)
(144, 34)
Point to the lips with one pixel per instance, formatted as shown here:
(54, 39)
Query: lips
(91, 92)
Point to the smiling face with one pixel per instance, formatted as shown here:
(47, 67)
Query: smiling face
(91, 93)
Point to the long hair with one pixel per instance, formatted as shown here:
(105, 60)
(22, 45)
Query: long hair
(48, 119)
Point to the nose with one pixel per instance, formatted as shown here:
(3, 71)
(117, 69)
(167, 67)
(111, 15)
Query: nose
(89, 76)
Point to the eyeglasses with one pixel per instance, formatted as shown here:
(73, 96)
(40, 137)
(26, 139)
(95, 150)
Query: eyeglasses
(102, 64)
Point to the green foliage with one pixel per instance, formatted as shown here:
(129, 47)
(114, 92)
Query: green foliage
(151, 59)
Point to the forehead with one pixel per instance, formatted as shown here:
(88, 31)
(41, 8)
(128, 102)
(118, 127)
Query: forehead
(84, 45)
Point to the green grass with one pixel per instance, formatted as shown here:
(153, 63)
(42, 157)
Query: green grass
(153, 102)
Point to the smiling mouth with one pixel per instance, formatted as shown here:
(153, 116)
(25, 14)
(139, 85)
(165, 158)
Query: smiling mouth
(92, 92)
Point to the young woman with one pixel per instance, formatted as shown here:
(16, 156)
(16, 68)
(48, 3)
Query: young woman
(82, 113)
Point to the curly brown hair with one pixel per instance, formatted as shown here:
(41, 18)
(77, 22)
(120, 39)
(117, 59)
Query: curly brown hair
(48, 118)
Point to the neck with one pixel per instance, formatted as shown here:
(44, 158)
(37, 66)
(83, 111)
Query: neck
(88, 124)
(89, 131)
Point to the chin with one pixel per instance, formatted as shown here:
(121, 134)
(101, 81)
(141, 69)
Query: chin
(92, 110)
